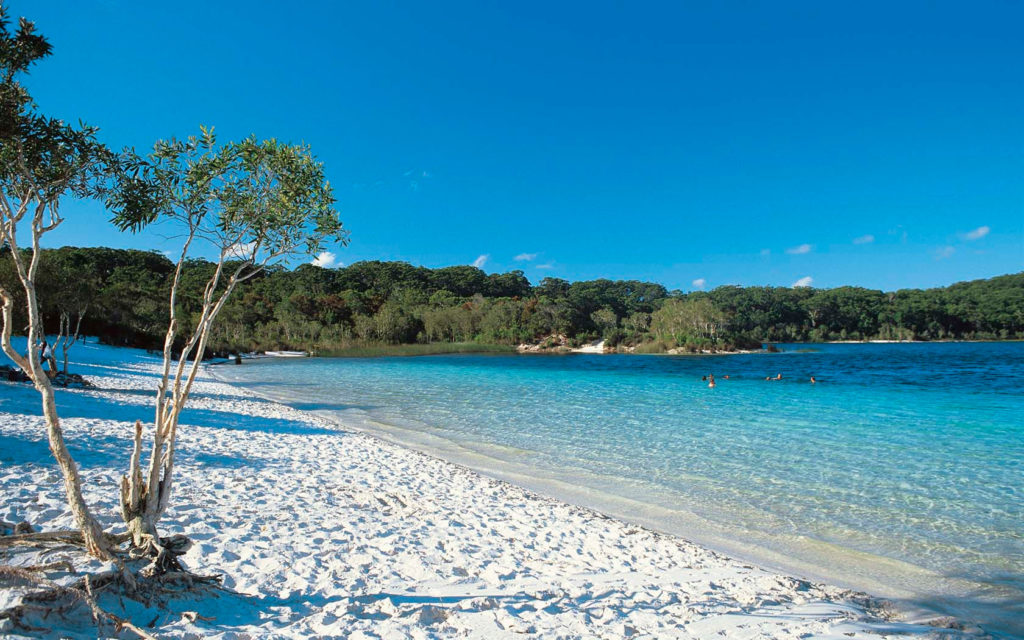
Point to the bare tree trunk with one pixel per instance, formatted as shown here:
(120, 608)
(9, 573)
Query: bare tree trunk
(134, 495)
(144, 498)
(62, 338)
(92, 533)
(95, 543)
(136, 491)
(67, 339)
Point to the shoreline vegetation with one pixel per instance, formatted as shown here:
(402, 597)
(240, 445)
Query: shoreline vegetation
(471, 348)
(394, 308)
(430, 349)
(540, 348)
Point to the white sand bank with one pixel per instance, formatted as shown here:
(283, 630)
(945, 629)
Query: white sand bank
(324, 533)
(597, 346)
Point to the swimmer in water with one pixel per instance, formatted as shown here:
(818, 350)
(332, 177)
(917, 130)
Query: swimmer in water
(711, 381)
(726, 377)
(813, 381)
(778, 377)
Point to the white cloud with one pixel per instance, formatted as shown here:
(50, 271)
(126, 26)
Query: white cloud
(240, 250)
(866, 239)
(325, 259)
(699, 283)
(944, 252)
(525, 256)
(803, 282)
(799, 250)
(547, 265)
(481, 260)
(978, 233)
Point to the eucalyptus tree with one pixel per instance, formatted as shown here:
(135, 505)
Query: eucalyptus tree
(249, 204)
(688, 321)
(72, 281)
(42, 161)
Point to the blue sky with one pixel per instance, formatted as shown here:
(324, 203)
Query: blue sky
(693, 144)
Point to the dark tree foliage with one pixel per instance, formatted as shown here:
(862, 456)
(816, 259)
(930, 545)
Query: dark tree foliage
(310, 307)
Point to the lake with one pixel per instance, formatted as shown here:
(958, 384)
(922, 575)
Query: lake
(899, 473)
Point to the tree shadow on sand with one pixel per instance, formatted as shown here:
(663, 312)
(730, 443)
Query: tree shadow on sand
(97, 407)
(220, 610)
(997, 607)
(150, 394)
(233, 611)
(94, 451)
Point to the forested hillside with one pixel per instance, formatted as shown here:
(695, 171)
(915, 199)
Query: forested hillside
(121, 297)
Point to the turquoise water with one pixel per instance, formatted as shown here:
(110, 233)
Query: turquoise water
(899, 473)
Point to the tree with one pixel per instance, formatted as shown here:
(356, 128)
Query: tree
(254, 203)
(73, 283)
(462, 280)
(42, 161)
(513, 284)
(637, 323)
(605, 320)
(688, 321)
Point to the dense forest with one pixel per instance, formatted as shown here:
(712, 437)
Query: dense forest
(120, 296)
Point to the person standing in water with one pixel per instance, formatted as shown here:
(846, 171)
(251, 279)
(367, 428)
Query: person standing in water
(711, 381)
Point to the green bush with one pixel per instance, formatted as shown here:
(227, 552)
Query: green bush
(656, 346)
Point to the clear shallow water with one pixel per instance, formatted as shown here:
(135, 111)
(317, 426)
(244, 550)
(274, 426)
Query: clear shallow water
(901, 473)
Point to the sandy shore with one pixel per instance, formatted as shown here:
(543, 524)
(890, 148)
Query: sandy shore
(325, 532)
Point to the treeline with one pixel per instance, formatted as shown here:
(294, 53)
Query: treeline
(120, 296)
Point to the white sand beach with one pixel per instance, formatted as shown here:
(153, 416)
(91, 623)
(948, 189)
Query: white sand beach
(325, 532)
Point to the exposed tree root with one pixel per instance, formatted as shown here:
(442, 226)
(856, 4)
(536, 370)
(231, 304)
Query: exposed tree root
(60, 565)
(73, 538)
(52, 595)
(163, 554)
(153, 585)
